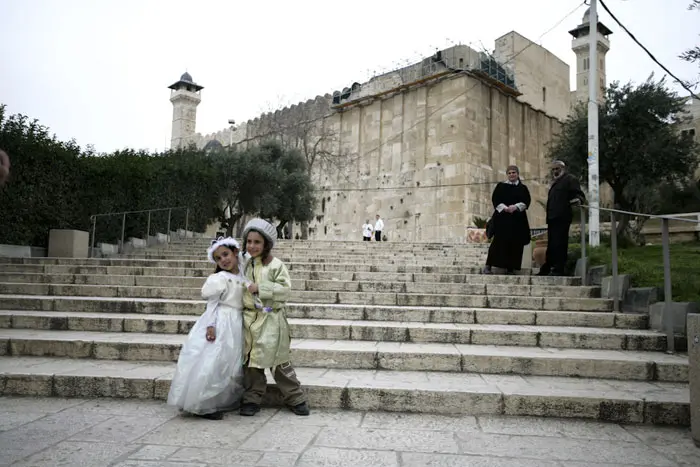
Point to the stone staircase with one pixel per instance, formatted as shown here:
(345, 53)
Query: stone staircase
(390, 326)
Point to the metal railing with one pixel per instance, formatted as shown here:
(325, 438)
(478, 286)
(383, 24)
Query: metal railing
(666, 255)
(94, 217)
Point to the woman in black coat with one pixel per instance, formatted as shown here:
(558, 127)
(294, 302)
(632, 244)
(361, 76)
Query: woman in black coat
(510, 226)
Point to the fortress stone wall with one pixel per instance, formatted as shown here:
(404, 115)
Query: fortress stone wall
(425, 158)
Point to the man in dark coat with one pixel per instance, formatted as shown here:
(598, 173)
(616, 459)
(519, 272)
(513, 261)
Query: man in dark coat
(511, 230)
(564, 192)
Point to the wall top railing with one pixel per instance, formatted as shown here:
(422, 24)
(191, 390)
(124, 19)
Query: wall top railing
(666, 255)
(94, 217)
(137, 212)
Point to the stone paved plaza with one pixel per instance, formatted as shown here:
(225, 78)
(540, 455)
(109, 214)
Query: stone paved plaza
(131, 433)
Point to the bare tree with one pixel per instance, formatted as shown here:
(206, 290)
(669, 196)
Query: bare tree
(312, 128)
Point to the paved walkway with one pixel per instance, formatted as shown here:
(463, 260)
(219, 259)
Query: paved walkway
(127, 433)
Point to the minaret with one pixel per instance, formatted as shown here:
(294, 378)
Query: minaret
(580, 46)
(185, 96)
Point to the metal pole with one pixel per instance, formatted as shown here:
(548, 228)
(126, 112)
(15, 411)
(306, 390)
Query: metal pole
(613, 241)
(121, 247)
(187, 220)
(94, 226)
(169, 213)
(593, 167)
(668, 322)
(148, 227)
(584, 274)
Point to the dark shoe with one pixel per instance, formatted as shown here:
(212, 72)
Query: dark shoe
(301, 409)
(486, 270)
(213, 416)
(555, 273)
(249, 409)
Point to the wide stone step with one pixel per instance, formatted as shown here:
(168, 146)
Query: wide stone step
(329, 253)
(132, 275)
(76, 313)
(415, 355)
(205, 268)
(466, 262)
(192, 285)
(372, 390)
(358, 246)
(484, 357)
(370, 298)
(157, 346)
(324, 255)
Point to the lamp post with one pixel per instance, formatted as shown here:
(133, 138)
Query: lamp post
(593, 163)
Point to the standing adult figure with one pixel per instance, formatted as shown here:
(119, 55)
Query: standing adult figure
(564, 192)
(378, 227)
(510, 226)
(367, 230)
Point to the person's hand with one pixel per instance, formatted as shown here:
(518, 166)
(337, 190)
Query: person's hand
(211, 333)
(253, 288)
(511, 209)
(575, 202)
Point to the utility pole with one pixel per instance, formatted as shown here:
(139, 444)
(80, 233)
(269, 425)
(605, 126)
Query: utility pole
(593, 165)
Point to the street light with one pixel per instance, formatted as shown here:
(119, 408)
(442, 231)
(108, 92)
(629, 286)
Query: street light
(231, 122)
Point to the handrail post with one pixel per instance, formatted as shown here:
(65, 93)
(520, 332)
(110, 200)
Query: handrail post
(169, 213)
(668, 322)
(187, 220)
(121, 246)
(94, 229)
(148, 227)
(584, 273)
(613, 242)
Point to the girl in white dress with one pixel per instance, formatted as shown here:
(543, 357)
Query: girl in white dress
(209, 374)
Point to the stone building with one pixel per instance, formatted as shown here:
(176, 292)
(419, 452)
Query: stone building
(422, 146)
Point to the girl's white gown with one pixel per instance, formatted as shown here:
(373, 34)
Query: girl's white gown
(209, 375)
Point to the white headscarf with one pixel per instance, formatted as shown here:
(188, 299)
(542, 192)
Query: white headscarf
(221, 241)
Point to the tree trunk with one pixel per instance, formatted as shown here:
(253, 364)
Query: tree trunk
(280, 229)
(305, 230)
(232, 223)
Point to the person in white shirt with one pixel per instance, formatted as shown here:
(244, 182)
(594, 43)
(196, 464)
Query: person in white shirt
(367, 230)
(378, 227)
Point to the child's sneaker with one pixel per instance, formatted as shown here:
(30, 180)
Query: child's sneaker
(249, 409)
(301, 409)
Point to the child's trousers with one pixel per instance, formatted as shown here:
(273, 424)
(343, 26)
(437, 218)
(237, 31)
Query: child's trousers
(286, 378)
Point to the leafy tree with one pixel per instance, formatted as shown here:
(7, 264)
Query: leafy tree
(293, 197)
(692, 55)
(268, 181)
(641, 147)
(55, 185)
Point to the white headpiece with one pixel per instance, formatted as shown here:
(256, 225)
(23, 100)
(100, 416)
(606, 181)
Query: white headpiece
(221, 241)
(265, 228)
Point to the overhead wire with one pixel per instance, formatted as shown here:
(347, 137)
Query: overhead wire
(619, 23)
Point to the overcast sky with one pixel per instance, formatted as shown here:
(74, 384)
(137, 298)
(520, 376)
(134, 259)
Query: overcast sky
(98, 70)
